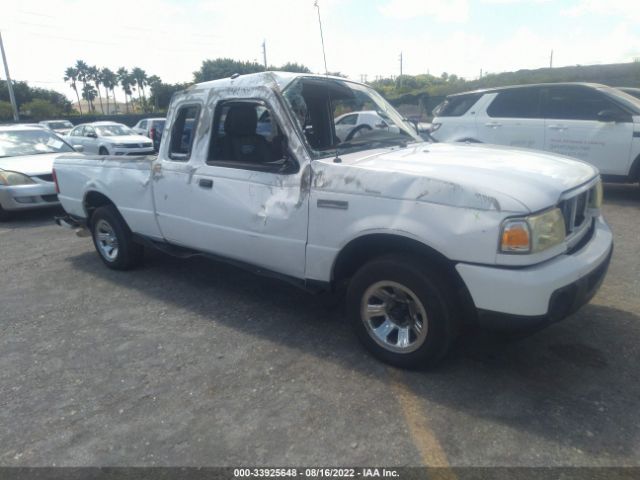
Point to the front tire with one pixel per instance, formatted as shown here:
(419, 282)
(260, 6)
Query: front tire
(103, 151)
(402, 311)
(113, 239)
(4, 215)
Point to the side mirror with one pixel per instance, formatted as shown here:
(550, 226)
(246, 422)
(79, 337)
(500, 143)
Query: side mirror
(91, 135)
(611, 115)
(78, 148)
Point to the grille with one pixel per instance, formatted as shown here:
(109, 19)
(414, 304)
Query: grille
(137, 145)
(47, 177)
(575, 211)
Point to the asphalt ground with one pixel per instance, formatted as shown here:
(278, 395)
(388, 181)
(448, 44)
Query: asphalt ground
(196, 363)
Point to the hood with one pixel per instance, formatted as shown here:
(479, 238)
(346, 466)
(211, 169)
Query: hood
(126, 139)
(30, 164)
(465, 175)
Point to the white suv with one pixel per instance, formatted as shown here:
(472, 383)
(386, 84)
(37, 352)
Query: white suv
(595, 123)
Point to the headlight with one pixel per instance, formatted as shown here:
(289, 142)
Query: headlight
(14, 178)
(595, 195)
(534, 233)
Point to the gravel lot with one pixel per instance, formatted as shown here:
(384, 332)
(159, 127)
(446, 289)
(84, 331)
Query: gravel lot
(190, 362)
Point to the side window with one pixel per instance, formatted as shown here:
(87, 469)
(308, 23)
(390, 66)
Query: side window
(516, 103)
(89, 131)
(576, 103)
(246, 135)
(458, 105)
(77, 132)
(183, 132)
(348, 120)
(142, 124)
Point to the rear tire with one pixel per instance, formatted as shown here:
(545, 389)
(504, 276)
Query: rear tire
(113, 239)
(402, 311)
(103, 151)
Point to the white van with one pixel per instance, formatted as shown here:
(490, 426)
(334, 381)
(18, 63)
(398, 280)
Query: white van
(595, 123)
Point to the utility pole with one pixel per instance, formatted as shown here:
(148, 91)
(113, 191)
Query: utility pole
(400, 69)
(551, 60)
(12, 97)
(264, 53)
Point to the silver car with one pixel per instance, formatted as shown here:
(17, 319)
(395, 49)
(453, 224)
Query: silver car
(61, 127)
(109, 138)
(26, 164)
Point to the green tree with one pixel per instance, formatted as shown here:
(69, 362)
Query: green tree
(293, 67)
(93, 74)
(124, 78)
(82, 69)
(71, 76)
(6, 112)
(109, 81)
(140, 80)
(224, 68)
(89, 94)
(40, 108)
(154, 83)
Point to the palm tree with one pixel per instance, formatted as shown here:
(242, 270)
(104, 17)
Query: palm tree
(154, 83)
(94, 75)
(82, 71)
(89, 94)
(125, 82)
(140, 77)
(110, 81)
(71, 76)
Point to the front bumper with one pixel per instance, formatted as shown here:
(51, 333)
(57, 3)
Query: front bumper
(25, 197)
(514, 298)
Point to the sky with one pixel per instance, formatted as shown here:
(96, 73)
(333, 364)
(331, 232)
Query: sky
(171, 38)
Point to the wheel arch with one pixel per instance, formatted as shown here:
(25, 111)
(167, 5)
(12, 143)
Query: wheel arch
(634, 171)
(360, 250)
(93, 200)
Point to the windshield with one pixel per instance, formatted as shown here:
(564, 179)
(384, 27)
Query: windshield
(114, 130)
(339, 116)
(627, 100)
(15, 143)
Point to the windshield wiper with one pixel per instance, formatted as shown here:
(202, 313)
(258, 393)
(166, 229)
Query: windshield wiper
(397, 142)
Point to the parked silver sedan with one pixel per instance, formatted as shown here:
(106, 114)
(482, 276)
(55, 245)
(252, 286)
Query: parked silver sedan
(26, 168)
(109, 138)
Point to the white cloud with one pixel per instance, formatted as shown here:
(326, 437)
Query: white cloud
(629, 9)
(442, 10)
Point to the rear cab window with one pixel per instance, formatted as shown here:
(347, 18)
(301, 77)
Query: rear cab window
(183, 132)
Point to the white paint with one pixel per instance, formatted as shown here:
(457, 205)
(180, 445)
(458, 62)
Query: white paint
(452, 198)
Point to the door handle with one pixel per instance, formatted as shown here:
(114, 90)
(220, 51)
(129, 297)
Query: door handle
(493, 124)
(205, 183)
(557, 127)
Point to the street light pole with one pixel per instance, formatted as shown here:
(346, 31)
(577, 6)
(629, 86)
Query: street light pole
(12, 97)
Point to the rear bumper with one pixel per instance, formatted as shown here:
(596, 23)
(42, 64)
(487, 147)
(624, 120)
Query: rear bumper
(522, 298)
(25, 197)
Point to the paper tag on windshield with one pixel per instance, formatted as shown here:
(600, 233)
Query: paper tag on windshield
(54, 143)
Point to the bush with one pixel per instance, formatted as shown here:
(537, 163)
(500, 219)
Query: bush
(6, 112)
(41, 109)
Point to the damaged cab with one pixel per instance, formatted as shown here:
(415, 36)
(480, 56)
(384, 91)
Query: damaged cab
(424, 237)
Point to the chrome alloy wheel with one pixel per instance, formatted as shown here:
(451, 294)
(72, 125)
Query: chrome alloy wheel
(106, 240)
(394, 317)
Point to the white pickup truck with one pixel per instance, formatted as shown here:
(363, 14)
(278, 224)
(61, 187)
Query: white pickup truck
(425, 237)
